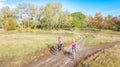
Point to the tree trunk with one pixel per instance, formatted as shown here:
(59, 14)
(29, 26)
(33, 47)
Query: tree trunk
(35, 27)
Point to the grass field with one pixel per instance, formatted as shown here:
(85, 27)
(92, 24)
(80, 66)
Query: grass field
(14, 46)
(99, 31)
(110, 32)
(106, 58)
(21, 48)
(93, 39)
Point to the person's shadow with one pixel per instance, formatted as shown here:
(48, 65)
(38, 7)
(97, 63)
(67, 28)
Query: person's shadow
(68, 54)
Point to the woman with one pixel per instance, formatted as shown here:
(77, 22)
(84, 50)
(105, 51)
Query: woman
(59, 43)
(73, 44)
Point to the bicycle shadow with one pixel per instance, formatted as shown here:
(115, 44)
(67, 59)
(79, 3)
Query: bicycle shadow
(52, 50)
(68, 54)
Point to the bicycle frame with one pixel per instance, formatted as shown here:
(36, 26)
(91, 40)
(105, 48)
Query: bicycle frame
(73, 51)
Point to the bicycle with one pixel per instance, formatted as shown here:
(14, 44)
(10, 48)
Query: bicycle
(73, 51)
(55, 49)
(60, 47)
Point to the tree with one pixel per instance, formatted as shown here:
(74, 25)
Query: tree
(109, 21)
(6, 11)
(25, 22)
(99, 20)
(65, 19)
(90, 22)
(5, 14)
(10, 24)
(26, 11)
(2, 20)
(104, 23)
(51, 13)
(78, 19)
(116, 23)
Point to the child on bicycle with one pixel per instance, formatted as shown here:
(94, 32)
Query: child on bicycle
(59, 43)
(73, 44)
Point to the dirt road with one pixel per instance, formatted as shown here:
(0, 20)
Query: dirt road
(65, 59)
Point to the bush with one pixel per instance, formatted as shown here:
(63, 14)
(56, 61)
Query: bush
(10, 24)
(29, 29)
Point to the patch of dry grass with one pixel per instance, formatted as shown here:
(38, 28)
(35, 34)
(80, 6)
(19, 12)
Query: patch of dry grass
(106, 58)
(14, 46)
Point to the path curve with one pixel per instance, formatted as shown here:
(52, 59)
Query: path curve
(64, 58)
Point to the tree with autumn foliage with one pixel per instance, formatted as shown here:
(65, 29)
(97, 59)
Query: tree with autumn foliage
(5, 13)
(51, 16)
(116, 23)
(90, 22)
(10, 24)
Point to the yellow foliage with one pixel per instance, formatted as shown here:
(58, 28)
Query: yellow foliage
(10, 24)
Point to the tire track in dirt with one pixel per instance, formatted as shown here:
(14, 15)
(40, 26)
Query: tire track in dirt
(64, 58)
(45, 62)
(88, 51)
(61, 59)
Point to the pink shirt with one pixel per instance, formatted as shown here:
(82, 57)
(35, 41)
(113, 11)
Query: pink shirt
(74, 44)
(60, 41)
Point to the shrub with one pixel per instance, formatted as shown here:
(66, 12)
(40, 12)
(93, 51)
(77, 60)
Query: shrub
(10, 24)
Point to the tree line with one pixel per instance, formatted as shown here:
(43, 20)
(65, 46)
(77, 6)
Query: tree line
(51, 16)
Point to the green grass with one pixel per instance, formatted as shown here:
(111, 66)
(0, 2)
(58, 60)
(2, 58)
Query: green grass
(106, 58)
(93, 39)
(14, 46)
(110, 32)
(97, 31)
(98, 41)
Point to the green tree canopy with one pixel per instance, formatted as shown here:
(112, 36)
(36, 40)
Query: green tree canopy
(78, 19)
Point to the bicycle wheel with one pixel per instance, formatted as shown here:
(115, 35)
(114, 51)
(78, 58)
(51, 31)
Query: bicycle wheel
(73, 51)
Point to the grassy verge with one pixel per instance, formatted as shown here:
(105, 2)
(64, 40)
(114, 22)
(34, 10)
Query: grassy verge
(97, 31)
(93, 39)
(16, 48)
(106, 58)
(110, 32)
(98, 41)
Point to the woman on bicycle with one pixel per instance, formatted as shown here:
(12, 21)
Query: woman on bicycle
(73, 44)
(59, 43)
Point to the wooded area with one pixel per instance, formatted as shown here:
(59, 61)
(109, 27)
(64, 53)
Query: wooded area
(51, 16)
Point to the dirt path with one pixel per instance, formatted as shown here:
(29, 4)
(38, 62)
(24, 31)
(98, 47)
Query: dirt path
(64, 58)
